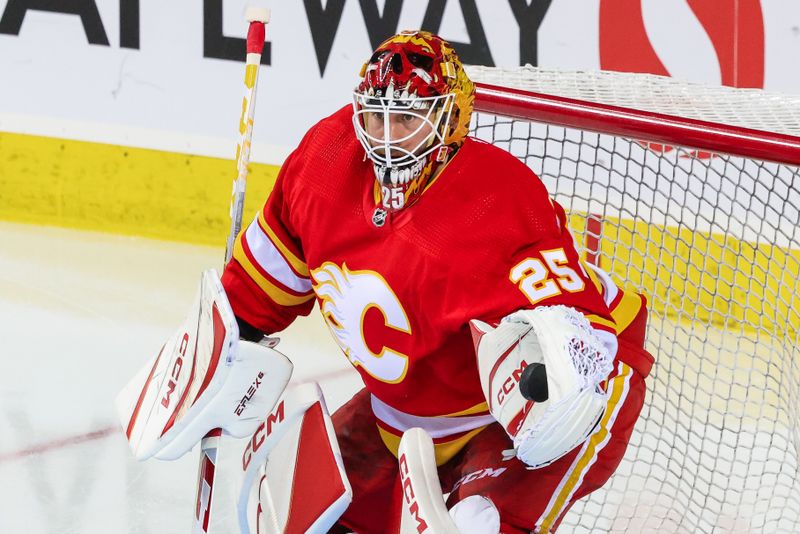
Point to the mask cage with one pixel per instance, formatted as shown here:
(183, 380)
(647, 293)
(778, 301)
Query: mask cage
(434, 113)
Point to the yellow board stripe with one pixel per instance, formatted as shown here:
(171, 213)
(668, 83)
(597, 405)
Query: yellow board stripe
(124, 190)
(275, 293)
(717, 279)
(712, 277)
(590, 450)
(297, 264)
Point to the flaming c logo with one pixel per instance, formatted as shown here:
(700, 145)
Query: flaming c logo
(735, 29)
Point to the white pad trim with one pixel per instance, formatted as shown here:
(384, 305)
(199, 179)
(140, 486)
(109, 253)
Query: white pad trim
(476, 515)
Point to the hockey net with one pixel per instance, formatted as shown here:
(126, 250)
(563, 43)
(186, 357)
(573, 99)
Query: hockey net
(690, 195)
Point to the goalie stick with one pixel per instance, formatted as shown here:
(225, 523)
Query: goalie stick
(209, 446)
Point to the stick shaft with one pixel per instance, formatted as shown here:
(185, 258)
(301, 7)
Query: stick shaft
(255, 45)
(209, 445)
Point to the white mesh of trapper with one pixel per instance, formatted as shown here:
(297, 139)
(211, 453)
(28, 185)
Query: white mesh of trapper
(590, 358)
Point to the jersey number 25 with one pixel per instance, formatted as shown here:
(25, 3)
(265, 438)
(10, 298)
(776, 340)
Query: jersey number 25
(540, 280)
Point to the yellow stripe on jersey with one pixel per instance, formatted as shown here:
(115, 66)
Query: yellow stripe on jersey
(477, 409)
(591, 449)
(625, 312)
(444, 451)
(277, 294)
(297, 264)
(605, 322)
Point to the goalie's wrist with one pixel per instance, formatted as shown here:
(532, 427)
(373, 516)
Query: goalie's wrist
(248, 332)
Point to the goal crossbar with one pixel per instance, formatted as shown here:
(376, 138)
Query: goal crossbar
(657, 127)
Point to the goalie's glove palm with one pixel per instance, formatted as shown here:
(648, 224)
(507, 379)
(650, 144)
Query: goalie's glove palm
(576, 362)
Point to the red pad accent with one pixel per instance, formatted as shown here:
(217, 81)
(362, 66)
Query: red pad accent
(316, 484)
(476, 335)
(219, 337)
(135, 414)
(255, 37)
(500, 360)
(203, 505)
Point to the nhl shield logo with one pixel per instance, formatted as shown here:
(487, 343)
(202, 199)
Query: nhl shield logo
(379, 217)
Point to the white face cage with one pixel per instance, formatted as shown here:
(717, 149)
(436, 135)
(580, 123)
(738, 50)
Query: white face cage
(407, 150)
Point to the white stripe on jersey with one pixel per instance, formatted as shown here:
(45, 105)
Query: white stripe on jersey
(610, 289)
(437, 427)
(270, 259)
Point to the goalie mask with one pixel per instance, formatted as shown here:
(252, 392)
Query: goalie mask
(412, 112)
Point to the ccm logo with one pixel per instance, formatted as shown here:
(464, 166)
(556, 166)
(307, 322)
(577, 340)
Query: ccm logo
(510, 383)
(408, 493)
(261, 433)
(477, 475)
(176, 370)
(249, 395)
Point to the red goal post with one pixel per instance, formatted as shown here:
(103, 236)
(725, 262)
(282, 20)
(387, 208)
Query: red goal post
(691, 195)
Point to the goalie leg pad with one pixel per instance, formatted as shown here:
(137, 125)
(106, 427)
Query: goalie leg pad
(303, 486)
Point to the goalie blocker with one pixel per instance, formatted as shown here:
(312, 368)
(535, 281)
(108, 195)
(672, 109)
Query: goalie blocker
(204, 378)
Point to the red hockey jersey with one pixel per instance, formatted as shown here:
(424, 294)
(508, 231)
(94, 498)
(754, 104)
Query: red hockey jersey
(483, 241)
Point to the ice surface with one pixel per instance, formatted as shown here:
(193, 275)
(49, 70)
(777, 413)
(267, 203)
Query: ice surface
(80, 312)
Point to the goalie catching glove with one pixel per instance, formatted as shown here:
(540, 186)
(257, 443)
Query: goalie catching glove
(575, 363)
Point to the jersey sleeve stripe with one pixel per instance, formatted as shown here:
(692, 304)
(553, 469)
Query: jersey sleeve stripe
(607, 287)
(626, 310)
(270, 260)
(588, 267)
(267, 275)
(298, 265)
(602, 322)
(263, 280)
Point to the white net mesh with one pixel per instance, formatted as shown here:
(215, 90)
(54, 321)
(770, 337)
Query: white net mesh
(748, 108)
(713, 242)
